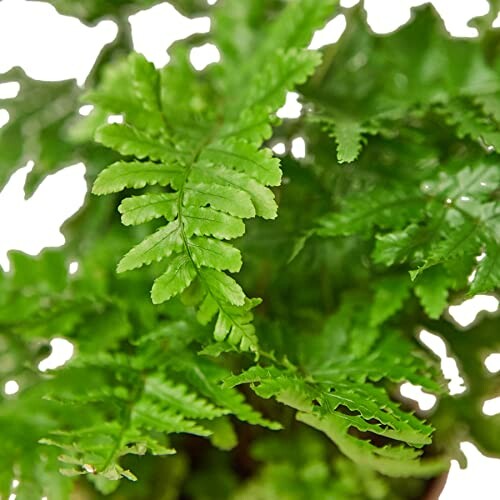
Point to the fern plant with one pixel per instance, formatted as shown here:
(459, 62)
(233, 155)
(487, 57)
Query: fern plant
(243, 322)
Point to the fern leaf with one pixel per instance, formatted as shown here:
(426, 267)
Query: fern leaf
(223, 287)
(337, 395)
(349, 141)
(487, 274)
(455, 220)
(347, 133)
(149, 403)
(179, 275)
(215, 254)
(225, 199)
(490, 105)
(140, 209)
(207, 379)
(475, 182)
(369, 402)
(432, 290)
(356, 350)
(204, 221)
(146, 83)
(382, 208)
(178, 398)
(154, 418)
(163, 243)
(396, 246)
(134, 175)
(214, 165)
(368, 410)
(128, 140)
(454, 242)
(390, 294)
(393, 461)
(472, 123)
(36, 129)
(218, 175)
(243, 157)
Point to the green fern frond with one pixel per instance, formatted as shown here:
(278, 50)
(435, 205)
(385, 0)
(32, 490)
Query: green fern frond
(451, 217)
(336, 393)
(215, 167)
(396, 221)
(338, 408)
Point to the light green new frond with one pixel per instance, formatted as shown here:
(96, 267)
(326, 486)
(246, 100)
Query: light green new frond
(215, 166)
(233, 323)
(223, 288)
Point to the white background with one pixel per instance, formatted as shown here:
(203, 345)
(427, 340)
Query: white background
(52, 47)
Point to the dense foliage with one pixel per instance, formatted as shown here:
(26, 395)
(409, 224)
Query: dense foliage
(259, 315)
